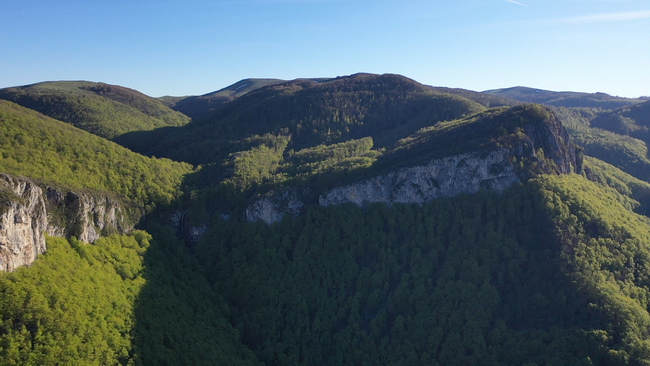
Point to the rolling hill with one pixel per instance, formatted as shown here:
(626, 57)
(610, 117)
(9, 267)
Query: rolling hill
(631, 120)
(196, 106)
(105, 110)
(58, 154)
(407, 225)
(563, 99)
(386, 107)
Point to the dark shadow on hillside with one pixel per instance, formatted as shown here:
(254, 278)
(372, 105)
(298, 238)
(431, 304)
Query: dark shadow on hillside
(179, 319)
(458, 281)
(144, 142)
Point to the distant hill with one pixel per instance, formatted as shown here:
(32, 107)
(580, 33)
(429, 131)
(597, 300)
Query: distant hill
(56, 153)
(486, 99)
(196, 106)
(563, 99)
(633, 120)
(103, 109)
(384, 107)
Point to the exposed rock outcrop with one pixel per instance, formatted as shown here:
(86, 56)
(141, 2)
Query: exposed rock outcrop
(26, 214)
(84, 216)
(271, 208)
(450, 176)
(543, 148)
(23, 222)
(554, 140)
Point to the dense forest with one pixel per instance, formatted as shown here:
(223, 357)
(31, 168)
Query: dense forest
(105, 110)
(553, 270)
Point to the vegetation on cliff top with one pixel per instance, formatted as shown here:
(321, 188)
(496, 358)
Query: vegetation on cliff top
(56, 153)
(552, 271)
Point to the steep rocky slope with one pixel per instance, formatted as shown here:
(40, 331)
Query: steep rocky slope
(539, 144)
(23, 222)
(28, 212)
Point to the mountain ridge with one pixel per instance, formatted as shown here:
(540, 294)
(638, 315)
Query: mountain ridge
(563, 98)
(103, 109)
(545, 260)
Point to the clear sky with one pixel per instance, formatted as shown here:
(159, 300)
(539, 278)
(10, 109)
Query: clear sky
(194, 47)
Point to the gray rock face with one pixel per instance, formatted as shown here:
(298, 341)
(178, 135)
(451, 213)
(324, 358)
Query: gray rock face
(450, 176)
(26, 214)
(84, 216)
(23, 222)
(272, 208)
(470, 172)
(554, 140)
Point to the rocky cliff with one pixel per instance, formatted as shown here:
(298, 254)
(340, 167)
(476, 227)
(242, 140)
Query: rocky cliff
(540, 147)
(450, 176)
(27, 213)
(23, 222)
(271, 208)
(83, 215)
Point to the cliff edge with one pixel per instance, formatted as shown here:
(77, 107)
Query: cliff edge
(500, 148)
(27, 213)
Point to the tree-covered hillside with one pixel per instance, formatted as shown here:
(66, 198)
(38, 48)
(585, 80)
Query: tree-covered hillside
(103, 109)
(563, 99)
(125, 300)
(588, 128)
(56, 153)
(632, 120)
(550, 272)
(536, 275)
(196, 106)
(385, 107)
(553, 270)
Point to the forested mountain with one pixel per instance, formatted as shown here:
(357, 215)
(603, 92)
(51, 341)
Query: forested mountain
(610, 128)
(632, 120)
(405, 224)
(563, 99)
(384, 107)
(196, 106)
(103, 109)
(56, 153)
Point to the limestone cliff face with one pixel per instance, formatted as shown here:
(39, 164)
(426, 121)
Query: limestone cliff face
(84, 216)
(544, 148)
(554, 140)
(23, 222)
(273, 207)
(27, 213)
(450, 176)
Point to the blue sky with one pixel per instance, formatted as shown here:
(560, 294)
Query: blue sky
(195, 47)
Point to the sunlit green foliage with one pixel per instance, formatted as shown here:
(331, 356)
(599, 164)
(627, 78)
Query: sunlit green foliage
(74, 305)
(103, 109)
(126, 300)
(254, 166)
(330, 158)
(59, 154)
(606, 251)
(634, 193)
